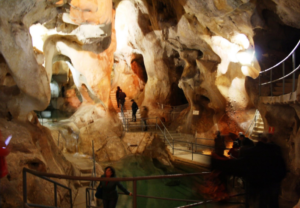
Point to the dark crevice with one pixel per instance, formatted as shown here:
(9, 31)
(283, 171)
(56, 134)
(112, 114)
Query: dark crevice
(138, 67)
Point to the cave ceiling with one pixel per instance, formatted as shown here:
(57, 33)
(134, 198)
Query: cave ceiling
(160, 52)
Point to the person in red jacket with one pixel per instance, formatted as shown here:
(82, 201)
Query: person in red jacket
(4, 151)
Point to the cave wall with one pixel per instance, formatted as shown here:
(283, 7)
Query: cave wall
(155, 50)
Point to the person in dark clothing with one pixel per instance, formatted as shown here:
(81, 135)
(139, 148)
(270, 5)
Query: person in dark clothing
(63, 89)
(240, 138)
(117, 95)
(144, 116)
(109, 189)
(234, 151)
(219, 144)
(246, 144)
(122, 97)
(134, 108)
(262, 167)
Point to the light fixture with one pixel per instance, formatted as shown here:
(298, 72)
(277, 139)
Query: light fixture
(245, 57)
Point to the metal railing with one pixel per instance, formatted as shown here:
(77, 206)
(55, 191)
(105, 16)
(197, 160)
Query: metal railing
(157, 125)
(43, 176)
(46, 176)
(252, 123)
(284, 75)
(88, 205)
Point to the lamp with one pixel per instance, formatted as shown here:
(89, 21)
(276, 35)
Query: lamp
(245, 57)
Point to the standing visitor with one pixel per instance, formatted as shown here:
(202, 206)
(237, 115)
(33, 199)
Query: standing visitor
(122, 97)
(4, 151)
(108, 193)
(144, 116)
(219, 144)
(117, 95)
(134, 108)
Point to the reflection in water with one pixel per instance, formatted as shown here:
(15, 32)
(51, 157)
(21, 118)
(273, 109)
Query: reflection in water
(180, 188)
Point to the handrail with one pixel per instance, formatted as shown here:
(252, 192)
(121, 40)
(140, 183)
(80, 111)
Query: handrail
(293, 73)
(85, 178)
(210, 201)
(196, 204)
(165, 128)
(133, 179)
(43, 176)
(164, 135)
(265, 83)
(282, 60)
(154, 197)
(252, 122)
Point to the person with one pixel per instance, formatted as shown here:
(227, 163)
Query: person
(63, 89)
(4, 151)
(122, 97)
(144, 116)
(240, 138)
(234, 151)
(117, 96)
(219, 144)
(262, 167)
(109, 188)
(246, 145)
(134, 108)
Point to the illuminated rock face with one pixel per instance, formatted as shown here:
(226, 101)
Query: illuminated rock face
(206, 44)
(159, 52)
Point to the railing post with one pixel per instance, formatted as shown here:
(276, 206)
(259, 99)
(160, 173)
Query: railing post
(55, 195)
(192, 151)
(259, 87)
(294, 74)
(24, 188)
(58, 139)
(71, 200)
(94, 172)
(134, 201)
(271, 73)
(283, 80)
(87, 196)
(173, 146)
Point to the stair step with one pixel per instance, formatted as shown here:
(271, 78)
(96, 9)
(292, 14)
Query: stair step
(259, 125)
(286, 89)
(83, 171)
(85, 183)
(258, 129)
(86, 174)
(287, 83)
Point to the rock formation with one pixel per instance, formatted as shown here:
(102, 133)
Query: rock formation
(68, 56)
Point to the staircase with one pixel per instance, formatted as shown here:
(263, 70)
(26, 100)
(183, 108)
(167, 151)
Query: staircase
(278, 97)
(87, 172)
(258, 127)
(288, 87)
(278, 94)
(127, 105)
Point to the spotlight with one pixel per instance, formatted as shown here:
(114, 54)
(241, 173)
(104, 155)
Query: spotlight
(245, 57)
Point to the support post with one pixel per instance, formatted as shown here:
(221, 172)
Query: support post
(283, 80)
(71, 200)
(173, 146)
(294, 74)
(58, 139)
(192, 151)
(271, 85)
(94, 170)
(24, 188)
(55, 195)
(259, 86)
(134, 201)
